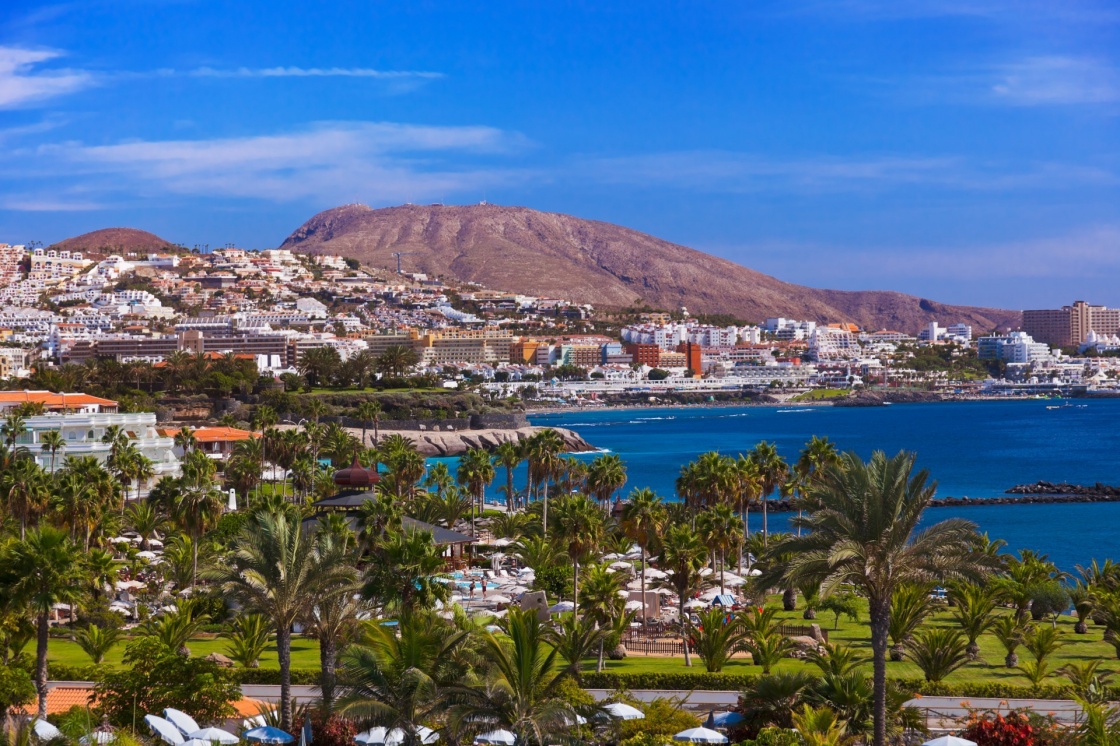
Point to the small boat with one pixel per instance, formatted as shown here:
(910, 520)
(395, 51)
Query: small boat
(1053, 406)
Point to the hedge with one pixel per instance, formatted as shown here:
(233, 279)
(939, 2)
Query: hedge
(683, 681)
(300, 676)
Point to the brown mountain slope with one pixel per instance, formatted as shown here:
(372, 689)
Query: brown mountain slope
(114, 241)
(523, 250)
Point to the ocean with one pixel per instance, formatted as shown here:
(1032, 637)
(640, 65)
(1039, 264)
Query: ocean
(973, 449)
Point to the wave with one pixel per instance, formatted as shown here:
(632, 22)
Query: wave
(588, 453)
(791, 411)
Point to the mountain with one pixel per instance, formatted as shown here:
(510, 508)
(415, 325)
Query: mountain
(553, 255)
(114, 241)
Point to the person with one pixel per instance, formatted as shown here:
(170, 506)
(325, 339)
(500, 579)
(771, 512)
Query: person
(483, 584)
(472, 590)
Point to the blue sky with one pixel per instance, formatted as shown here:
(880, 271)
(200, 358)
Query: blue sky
(963, 151)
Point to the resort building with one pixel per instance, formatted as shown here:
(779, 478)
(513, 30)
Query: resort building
(52, 402)
(82, 435)
(216, 442)
(1016, 347)
(1071, 324)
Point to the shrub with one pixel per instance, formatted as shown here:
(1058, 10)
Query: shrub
(335, 731)
(664, 717)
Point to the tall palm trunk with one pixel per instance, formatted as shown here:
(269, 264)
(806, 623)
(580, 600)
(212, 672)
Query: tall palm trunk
(328, 661)
(511, 499)
(765, 530)
(599, 662)
(194, 558)
(575, 589)
(41, 642)
(684, 630)
(284, 654)
(880, 624)
(722, 554)
(645, 613)
(544, 513)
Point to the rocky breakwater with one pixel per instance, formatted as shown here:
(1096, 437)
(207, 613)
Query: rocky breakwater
(1039, 493)
(456, 442)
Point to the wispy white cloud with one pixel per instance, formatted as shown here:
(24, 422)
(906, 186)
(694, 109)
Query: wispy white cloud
(325, 163)
(722, 171)
(23, 81)
(1007, 11)
(1051, 80)
(313, 72)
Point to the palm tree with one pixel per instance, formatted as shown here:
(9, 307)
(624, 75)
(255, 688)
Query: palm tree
(682, 556)
(975, 605)
(509, 456)
(543, 452)
(1041, 643)
(333, 618)
(863, 529)
(185, 439)
(605, 476)
(938, 652)
(1010, 630)
(96, 641)
(39, 571)
(580, 531)
(575, 638)
(199, 502)
(748, 489)
(643, 517)
(475, 472)
(145, 519)
(522, 695)
(369, 410)
(820, 726)
(602, 601)
(397, 681)
(772, 471)
(14, 426)
(52, 442)
(910, 605)
(278, 571)
(27, 491)
(718, 638)
(721, 531)
(817, 456)
(248, 638)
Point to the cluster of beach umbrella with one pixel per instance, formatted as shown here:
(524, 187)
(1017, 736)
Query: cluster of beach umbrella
(177, 728)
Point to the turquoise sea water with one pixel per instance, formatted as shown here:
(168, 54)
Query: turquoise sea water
(974, 449)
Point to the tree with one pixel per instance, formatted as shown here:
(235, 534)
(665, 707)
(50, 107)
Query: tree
(333, 619)
(1010, 630)
(248, 637)
(27, 491)
(96, 641)
(543, 453)
(474, 473)
(975, 605)
(862, 526)
(605, 476)
(199, 502)
(320, 364)
(278, 571)
(39, 571)
(1041, 643)
(682, 556)
(910, 605)
(186, 440)
(772, 472)
(575, 638)
(603, 601)
(580, 530)
(938, 652)
(717, 638)
(522, 695)
(721, 531)
(643, 517)
(509, 456)
(396, 360)
(155, 677)
(841, 604)
(397, 681)
(403, 570)
(51, 441)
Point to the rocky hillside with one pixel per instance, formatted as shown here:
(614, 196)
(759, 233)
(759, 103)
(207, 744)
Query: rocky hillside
(114, 241)
(518, 249)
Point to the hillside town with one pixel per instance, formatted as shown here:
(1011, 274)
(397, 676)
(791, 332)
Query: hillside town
(272, 307)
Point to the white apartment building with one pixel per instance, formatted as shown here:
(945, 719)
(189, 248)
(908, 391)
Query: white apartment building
(82, 434)
(1016, 347)
(832, 343)
(789, 329)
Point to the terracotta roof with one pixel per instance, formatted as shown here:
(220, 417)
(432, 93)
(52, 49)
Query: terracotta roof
(51, 400)
(213, 434)
(62, 698)
(251, 707)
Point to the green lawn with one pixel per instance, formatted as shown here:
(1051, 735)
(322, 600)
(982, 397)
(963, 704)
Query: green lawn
(1078, 648)
(305, 653)
(821, 395)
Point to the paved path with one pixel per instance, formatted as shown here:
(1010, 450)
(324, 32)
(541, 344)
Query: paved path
(942, 713)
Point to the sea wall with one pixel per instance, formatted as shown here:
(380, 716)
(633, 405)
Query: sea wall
(490, 421)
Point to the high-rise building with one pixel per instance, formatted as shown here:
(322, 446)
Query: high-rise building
(1069, 325)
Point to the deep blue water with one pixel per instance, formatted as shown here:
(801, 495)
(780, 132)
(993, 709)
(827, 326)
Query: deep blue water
(974, 449)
